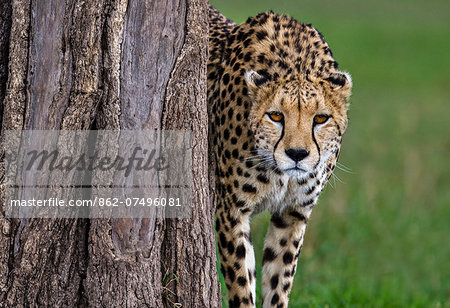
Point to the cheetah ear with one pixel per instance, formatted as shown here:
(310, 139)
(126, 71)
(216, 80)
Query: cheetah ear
(341, 83)
(255, 80)
(340, 80)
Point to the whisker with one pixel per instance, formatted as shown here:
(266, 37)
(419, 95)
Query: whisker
(253, 157)
(263, 163)
(271, 171)
(331, 184)
(344, 168)
(336, 177)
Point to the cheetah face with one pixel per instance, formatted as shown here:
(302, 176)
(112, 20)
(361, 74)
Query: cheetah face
(298, 123)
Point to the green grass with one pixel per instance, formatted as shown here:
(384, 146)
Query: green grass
(380, 237)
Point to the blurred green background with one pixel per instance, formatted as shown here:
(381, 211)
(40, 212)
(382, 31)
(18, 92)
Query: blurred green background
(379, 236)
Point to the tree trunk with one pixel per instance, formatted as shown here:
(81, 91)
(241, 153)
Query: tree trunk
(97, 64)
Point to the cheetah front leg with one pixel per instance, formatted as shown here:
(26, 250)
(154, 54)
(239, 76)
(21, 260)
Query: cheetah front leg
(282, 247)
(237, 256)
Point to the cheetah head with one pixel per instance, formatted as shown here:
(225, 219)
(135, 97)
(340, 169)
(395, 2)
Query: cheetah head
(298, 123)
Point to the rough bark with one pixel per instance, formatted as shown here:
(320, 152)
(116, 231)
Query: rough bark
(5, 28)
(107, 65)
(186, 258)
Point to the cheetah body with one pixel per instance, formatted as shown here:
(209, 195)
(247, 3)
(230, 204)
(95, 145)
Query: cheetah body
(270, 80)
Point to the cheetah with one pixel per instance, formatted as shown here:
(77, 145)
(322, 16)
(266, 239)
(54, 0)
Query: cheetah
(278, 110)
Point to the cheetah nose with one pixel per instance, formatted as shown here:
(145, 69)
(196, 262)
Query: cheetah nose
(297, 154)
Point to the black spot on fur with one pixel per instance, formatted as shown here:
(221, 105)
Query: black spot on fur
(217, 224)
(307, 202)
(230, 113)
(240, 203)
(274, 281)
(288, 257)
(243, 211)
(242, 281)
(278, 221)
(297, 215)
(261, 35)
(260, 81)
(231, 274)
(293, 271)
(233, 222)
(310, 190)
(248, 57)
(238, 130)
(249, 188)
(269, 255)
(230, 247)
(302, 181)
(239, 171)
(222, 240)
(235, 303)
(226, 79)
(240, 252)
(262, 178)
(261, 58)
(230, 170)
(275, 299)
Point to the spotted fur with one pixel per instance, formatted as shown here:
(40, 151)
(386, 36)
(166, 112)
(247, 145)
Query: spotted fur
(278, 109)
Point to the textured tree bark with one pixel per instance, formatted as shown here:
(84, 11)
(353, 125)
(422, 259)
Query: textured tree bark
(112, 65)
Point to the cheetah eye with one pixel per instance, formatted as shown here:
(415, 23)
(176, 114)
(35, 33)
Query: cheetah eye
(275, 116)
(321, 118)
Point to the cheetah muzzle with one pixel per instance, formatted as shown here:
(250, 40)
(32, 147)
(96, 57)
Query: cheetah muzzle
(278, 110)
